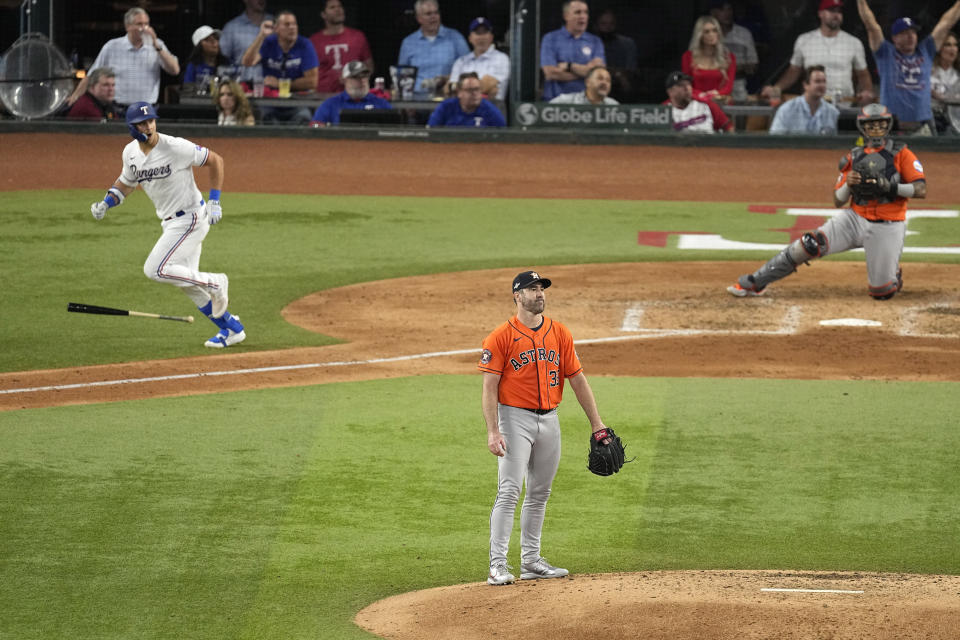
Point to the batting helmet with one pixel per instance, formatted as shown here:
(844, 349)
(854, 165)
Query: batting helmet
(139, 112)
(874, 112)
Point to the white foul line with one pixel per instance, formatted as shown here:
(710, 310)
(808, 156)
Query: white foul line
(235, 372)
(316, 365)
(810, 591)
(633, 318)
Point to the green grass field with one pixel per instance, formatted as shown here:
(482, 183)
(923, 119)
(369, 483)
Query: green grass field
(280, 513)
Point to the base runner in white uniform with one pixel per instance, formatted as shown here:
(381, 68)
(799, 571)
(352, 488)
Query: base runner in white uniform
(163, 166)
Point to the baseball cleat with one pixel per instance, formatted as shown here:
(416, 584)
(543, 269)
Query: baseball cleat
(500, 575)
(740, 292)
(227, 337)
(219, 298)
(541, 569)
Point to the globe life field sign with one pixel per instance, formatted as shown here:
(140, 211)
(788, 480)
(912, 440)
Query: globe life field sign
(609, 116)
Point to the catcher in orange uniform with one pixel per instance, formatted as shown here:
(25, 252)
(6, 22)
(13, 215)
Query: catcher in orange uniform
(879, 178)
(524, 363)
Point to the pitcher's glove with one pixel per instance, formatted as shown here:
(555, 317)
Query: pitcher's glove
(606, 453)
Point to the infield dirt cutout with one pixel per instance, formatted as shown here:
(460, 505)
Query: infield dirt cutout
(696, 605)
(635, 319)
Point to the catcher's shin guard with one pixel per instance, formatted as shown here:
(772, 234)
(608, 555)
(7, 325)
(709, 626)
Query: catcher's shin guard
(800, 251)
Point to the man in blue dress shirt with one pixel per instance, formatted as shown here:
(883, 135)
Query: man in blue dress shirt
(432, 49)
(356, 79)
(809, 113)
(468, 109)
(568, 54)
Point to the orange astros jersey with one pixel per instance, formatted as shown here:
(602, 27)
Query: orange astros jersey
(532, 364)
(907, 166)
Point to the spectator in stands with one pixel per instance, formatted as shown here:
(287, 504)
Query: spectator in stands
(708, 62)
(356, 95)
(336, 45)
(837, 51)
(739, 41)
(621, 55)
(97, 102)
(597, 90)
(432, 49)
(205, 58)
(568, 53)
(619, 50)
(284, 54)
(491, 65)
(904, 66)
(468, 109)
(690, 115)
(233, 108)
(239, 32)
(809, 113)
(136, 59)
(945, 82)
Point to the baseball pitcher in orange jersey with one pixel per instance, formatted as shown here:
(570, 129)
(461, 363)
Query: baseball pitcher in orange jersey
(525, 362)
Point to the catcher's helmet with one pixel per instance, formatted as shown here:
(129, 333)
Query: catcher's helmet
(874, 112)
(139, 112)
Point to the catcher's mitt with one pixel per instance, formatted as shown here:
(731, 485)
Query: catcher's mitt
(606, 453)
(874, 183)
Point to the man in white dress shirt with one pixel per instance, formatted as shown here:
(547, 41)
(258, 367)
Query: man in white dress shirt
(597, 91)
(485, 60)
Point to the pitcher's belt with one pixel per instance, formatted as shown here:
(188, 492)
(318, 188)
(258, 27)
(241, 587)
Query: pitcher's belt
(539, 412)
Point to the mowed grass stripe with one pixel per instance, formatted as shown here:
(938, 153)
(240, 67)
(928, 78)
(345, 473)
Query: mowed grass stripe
(277, 249)
(280, 513)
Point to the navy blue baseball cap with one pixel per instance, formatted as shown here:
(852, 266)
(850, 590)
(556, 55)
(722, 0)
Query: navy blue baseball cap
(902, 24)
(528, 279)
(481, 22)
(140, 111)
(677, 77)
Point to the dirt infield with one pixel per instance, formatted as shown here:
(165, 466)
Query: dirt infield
(706, 605)
(662, 319)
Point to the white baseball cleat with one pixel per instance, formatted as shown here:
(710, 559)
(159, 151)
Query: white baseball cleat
(219, 298)
(227, 337)
(541, 569)
(500, 574)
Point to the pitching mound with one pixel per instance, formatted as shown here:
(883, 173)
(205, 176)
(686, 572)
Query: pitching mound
(682, 604)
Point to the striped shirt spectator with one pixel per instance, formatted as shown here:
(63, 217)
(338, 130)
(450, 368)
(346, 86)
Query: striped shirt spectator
(136, 59)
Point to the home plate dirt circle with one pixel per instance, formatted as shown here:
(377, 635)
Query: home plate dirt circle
(705, 605)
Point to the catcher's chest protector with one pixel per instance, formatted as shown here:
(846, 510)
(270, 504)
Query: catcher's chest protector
(880, 163)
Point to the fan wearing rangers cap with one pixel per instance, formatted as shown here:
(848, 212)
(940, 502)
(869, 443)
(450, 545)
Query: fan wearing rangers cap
(356, 79)
(491, 65)
(525, 362)
(904, 66)
(163, 166)
(875, 182)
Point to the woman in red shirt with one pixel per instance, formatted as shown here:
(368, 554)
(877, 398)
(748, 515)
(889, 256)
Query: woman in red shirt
(708, 62)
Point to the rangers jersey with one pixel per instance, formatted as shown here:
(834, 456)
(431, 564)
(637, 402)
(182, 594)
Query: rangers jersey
(698, 117)
(532, 363)
(166, 173)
